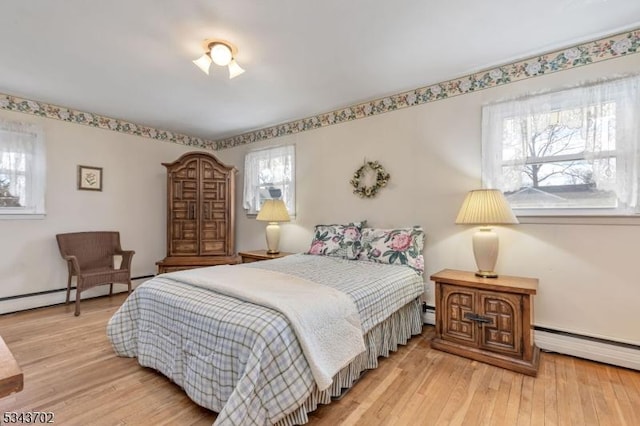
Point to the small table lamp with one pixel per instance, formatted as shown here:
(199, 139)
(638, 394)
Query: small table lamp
(273, 211)
(485, 207)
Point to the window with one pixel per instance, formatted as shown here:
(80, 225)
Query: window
(571, 152)
(269, 173)
(22, 169)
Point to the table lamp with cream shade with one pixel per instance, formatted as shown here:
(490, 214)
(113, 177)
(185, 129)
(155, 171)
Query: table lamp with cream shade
(273, 211)
(485, 207)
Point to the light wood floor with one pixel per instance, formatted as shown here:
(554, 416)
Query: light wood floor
(70, 370)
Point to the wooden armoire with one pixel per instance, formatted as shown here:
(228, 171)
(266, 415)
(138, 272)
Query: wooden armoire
(200, 213)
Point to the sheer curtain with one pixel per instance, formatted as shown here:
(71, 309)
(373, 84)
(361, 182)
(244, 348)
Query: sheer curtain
(22, 168)
(270, 168)
(600, 124)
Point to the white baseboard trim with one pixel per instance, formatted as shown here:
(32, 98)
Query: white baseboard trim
(589, 349)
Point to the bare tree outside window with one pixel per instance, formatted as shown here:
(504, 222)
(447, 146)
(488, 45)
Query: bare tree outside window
(569, 152)
(557, 171)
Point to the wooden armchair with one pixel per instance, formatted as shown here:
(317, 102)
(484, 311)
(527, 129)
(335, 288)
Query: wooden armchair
(89, 257)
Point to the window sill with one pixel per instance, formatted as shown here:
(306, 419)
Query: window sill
(619, 220)
(24, 216)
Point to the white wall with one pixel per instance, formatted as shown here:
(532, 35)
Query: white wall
(132, 202)
(588, 278)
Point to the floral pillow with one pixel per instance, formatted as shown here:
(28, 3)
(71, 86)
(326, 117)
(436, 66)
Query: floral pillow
(337, 240)
(394, 246)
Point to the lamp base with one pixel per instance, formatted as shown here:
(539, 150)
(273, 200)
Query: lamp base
(485, 250)
(486, 274)
(273, 237)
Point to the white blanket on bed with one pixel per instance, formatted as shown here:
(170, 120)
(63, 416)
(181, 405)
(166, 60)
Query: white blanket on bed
(325, 320)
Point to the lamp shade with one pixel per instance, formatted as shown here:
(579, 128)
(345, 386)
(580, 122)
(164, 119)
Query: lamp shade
(486, 207)
(234, 69)
(273, 211)
(203, 62)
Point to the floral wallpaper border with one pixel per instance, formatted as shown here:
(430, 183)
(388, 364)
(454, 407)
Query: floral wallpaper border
(41, 109)
(622, 44)
(610, 47)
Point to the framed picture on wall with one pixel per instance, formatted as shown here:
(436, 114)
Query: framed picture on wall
(90, 178)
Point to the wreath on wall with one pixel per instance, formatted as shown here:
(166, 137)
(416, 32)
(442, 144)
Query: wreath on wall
(370, 191)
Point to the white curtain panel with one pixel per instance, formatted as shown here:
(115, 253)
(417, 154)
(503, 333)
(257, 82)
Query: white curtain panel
(270, 167)
(23, 165)
(603, 116)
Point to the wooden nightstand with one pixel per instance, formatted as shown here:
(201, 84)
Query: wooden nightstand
(487, 319)
(11, 377)
(257, 255)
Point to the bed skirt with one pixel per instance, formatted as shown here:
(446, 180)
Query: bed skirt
(379, 341)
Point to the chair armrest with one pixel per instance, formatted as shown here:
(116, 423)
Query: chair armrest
(127, 255)
(73, 262)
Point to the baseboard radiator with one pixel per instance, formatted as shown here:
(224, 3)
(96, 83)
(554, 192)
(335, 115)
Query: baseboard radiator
(595, 349)
(24, 302)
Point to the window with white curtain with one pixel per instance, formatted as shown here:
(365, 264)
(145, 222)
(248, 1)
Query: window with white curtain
(570, 152)
(22, 169)
(269, 173)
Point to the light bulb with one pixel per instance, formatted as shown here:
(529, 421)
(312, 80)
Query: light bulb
(220, 54)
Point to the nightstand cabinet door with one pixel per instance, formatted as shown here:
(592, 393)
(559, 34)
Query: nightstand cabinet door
(504, 331)
(458, 304)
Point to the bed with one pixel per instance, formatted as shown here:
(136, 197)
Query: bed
(243, 360)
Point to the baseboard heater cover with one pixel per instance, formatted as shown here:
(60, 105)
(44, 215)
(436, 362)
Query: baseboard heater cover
(42, 299)
(428, 314)
(595, 349)
(601, 350)
(57, 290)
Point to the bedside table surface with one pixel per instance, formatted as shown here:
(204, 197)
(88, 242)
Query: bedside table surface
(504, 283)
(262, 254)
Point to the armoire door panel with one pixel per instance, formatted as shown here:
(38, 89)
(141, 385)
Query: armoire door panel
(214, 171)
(181, 214)
(189, 195)
(190, 234)
(180, 205)
(210, 185)
(185, 248)
(214, 247)
(213, 237)
(214, 220)
(183, 199)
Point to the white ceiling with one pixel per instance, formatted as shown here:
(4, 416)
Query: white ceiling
(132, 59)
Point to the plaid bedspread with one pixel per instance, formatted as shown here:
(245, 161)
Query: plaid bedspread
(239, 359)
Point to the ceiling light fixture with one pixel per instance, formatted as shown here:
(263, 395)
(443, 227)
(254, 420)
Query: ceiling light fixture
(221, 53)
